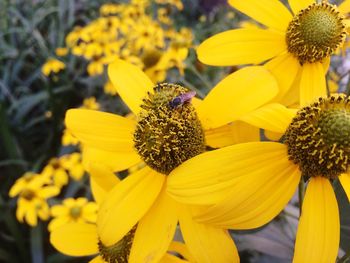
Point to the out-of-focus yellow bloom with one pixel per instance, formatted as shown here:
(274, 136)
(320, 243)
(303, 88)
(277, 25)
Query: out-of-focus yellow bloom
(73, 210)
(68, 138)
(61, 51)
(90, 104)
(32, 191)
(95, 68)
(177, 3)
(53, 66)
(109, 88)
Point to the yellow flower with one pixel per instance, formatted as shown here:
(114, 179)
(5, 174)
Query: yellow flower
(168, 131)
(297, 47)
(61, 51)
(108, 88)
(177, 3)
(90, 104)
(73, 210)
(53, 66)
(68, 138)
(32, 191)
(81, 238)
(315, 146)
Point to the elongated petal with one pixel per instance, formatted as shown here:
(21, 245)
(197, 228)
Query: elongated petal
(155, 231)
(181, 249)
(271, 13)
(297, 5)
(101, 130)
(75, 239)
(131, 83)
(241, 46)
(127, 203)
(103, 176)
(284, 68)
(255, 200)
(237, 95)
(97, 191)
(207, 244)
(319, 228)
(209, 177)
(116, 161)
(345, 182)
(273, 117)
(232, 133)
(312, 83)
(344, 7)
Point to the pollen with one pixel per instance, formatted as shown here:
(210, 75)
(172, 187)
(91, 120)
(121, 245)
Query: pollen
(318, 139)
(119, 252)
(166, 136)
(315, 32)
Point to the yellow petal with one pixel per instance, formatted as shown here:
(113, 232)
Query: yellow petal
(207, 244)
(116, 161)
(271, 13)
(256, 199)
(297, 5)
(237, 95)
(182, 249)
(75, 239)
(241, 46)
(127, 203)
(168, 258)
(319, 228)
(284, 68)
(209, 177)
(232, 133)
(103, 176)
(273, 117)
(344, 7)
(131, 83)
(312, 83)
(292, 96)
(345, 182)
(155, 231)
(97, 259)
(101, 130)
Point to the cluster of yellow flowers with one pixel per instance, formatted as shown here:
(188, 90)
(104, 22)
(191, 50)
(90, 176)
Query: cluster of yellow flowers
(243, 183)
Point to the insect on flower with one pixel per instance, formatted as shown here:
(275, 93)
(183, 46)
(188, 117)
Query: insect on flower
(181, 99)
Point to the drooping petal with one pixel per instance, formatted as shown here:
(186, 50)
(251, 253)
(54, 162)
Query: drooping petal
(155, 231)
(284, 68)
(271, 13)
(131, 82)
(101, 130)
(103, 176)
(345, 182)
(126, 203)
(241, 46)
(232, 133)
(237, 95)
(273, 117)
(344, 7)
(208, 178)
(255, 200)
(116, 161)
(75, 239)
(298, 5)
(319, 228)
(206, 243)
(312, 83)
(97, 191)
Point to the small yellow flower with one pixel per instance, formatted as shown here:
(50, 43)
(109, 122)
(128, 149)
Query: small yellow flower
(68, 138)
(52, 66)
(61, 51)
(32, 190)
(90, 104)
(73, 210)
(108, 88)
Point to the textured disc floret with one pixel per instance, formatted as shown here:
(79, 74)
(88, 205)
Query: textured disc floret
(315, 32)
(318, 139)
(168, 131)
(119, 252)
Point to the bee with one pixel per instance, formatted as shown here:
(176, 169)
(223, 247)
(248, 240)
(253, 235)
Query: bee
(181, 99)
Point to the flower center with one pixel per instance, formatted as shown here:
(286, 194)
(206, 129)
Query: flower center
(318, 139)
(168, 131)
(120, 251)
(28, 194)
(315, 32)
(75, 212)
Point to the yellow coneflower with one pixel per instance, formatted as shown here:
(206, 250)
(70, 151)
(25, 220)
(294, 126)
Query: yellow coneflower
(32, 190)
(297, 46)
(260, 178)
(167, 132)
(52, 66)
